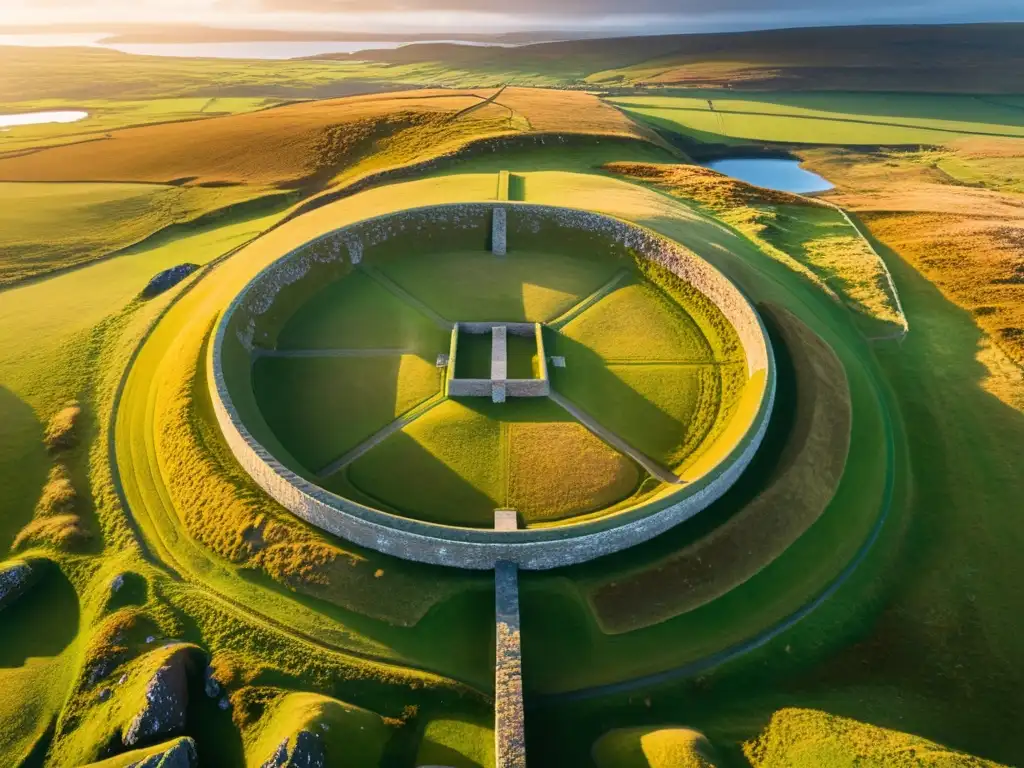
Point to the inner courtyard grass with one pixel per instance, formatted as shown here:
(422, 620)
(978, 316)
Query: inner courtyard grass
(321, 407)
(465, 458)
(523, 286)
(356, 312)
(638, 322)
(473, 359)
(523, 362)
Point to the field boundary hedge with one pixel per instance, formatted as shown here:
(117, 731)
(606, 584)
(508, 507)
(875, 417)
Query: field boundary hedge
(478, 548)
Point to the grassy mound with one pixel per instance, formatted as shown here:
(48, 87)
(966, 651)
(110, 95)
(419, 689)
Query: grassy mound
(446, 466)
(802, 738)
(456, 743)
(664, 747)
(321, 407)
(350, 737)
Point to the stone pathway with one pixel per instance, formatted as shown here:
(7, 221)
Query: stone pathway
(615, 441)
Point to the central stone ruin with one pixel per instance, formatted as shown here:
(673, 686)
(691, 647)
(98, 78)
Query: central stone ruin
(498, 385)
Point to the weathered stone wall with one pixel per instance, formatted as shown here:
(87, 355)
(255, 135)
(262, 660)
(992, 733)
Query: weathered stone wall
(479, 548)
(527, 387)
(509, 732)
(469, 388)
(498, 231)
(516, 329)
(499, 353)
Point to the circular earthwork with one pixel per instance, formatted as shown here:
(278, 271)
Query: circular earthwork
(472, 383)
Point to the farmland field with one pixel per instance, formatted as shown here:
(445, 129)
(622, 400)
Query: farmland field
(827, 118)
(848, 600)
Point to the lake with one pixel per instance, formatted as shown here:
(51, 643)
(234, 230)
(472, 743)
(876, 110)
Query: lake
(771, 173)
(37, 118)
(266, 49)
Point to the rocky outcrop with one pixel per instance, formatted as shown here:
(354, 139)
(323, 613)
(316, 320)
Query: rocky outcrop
(164, 281)
(178, 753)
(304, 751)
(181, 754)
(166, 699)
(15, 578)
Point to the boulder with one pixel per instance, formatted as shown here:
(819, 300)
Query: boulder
(167, 279)
(166, 699)
(15, 578)
(181, 754)
(305, 751)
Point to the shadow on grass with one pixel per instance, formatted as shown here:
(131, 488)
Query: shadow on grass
(592, 386)
(23, 465)
(42, 622)
(404, 475)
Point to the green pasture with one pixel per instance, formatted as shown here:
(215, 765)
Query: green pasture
(654, 747)
(942, 636)
(826, 118)
(321, 407)
(95, 220)
(110, 114)
(478, 286)
(356, 312)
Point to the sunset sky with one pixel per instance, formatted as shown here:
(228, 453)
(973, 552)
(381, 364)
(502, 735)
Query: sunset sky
(495, 15)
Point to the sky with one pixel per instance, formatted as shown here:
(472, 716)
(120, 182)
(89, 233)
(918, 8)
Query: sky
(611, 16)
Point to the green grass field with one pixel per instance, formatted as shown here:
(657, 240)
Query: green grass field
(463, 459)
(826, 118)
(356, 312)
(526, 286)
(914, 659)
(97, 220)
(323, 406)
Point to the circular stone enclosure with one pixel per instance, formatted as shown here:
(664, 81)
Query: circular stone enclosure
(398, 381)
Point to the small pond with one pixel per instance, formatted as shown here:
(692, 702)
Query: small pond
(37, 118)
(771, 173)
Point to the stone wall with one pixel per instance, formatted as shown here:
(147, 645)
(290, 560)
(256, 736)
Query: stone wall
(498, 231)
(469, 388)
(480, 548)
(527, 387)
(509, 733)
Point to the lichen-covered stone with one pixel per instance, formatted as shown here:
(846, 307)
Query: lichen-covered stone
(306, 751)
(181, 754)
(15, 578)
(164, 281)
(166, 700)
